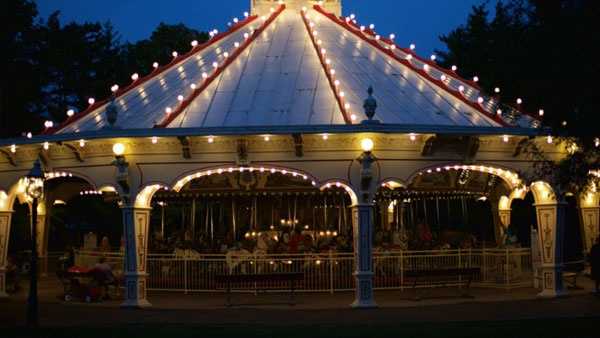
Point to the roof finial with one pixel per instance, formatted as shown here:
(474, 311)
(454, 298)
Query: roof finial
(112, 113)
(370, 106)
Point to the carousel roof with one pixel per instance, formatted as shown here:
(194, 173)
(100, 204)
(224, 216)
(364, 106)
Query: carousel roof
(285, 67)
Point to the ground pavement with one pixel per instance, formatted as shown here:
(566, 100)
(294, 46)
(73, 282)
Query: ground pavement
(441, 308)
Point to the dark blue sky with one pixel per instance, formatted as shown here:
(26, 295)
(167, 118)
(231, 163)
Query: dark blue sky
(418, 21)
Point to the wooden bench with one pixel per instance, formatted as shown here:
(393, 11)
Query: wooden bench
(232, 282)
(459, 273)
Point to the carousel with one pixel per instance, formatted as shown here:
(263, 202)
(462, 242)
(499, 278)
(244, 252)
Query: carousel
(296, 140)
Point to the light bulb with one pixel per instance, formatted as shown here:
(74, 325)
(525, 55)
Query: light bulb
(175, 54)
(48, 124)
(81, 143)
(70, 112)
(135, 76)
(118, 149)
(194, 43)
(367, 145)
(114, 88)
(155, 65)
(91, 101)
(154, 140)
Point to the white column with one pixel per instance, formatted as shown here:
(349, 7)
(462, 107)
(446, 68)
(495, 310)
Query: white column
(135, 227)
(551, 224)
(5, 218)
(504, 215)
(362, 222)
(590, 224)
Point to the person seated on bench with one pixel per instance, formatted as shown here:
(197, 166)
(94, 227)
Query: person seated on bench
(103, 275)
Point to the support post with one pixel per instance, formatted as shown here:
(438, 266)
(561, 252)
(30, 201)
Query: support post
(551, 224)
(135, 226)
(362, 222)
(505, 215)
(5, 219)
(42, 227)
(590, 223)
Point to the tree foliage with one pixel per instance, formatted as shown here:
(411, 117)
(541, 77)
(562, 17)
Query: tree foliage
(49, 66)
(545, 52)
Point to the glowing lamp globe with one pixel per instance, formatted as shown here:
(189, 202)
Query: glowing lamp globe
(118, 149)
(367, 145)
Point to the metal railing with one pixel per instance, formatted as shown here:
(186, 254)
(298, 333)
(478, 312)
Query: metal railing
(329, 272)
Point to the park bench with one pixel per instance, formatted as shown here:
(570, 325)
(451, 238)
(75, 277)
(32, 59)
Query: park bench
(261, 282)
(443, 276)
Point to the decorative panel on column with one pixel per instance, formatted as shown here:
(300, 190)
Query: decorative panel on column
(590, 219)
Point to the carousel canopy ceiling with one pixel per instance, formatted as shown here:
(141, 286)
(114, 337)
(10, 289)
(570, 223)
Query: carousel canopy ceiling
(277, 68)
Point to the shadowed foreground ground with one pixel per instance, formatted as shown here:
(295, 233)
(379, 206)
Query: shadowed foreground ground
(492, 313)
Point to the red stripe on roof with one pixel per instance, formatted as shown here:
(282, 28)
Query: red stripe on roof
(421, 72)
(161, 69)
(330, 79)
(185, 103)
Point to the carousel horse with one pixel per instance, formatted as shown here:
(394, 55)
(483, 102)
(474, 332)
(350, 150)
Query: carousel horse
(260, 251)
(400, 240)
(236, 257)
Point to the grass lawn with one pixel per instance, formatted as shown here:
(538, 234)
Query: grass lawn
(546, 328)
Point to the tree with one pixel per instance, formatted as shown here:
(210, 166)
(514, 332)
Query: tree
(544, 52)
(159, 47)
(49, 67)
(79, 61)
(20, 83)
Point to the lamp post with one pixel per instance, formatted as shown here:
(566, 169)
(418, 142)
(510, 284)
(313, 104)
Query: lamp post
(34, 189)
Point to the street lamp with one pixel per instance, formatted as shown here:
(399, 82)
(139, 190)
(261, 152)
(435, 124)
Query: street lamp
(34, 189)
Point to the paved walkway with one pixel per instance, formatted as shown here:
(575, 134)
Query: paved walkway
(440, 305)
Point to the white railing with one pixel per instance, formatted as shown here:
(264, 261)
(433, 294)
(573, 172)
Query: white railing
(330, 272)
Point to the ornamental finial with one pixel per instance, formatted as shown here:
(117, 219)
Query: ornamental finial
(112, 113)
(370, 104)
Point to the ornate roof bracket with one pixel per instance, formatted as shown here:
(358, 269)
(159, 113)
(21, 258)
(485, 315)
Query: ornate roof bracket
(472, 147)
(242, 152)
(44, 158)
(186, 147)
(428, 146)
(75, 150)
(10, 157)
(298, 145)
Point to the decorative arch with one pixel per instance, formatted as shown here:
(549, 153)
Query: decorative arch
(510, 177)
(17, 189)
(144, 197)
(341, 184)
(543, 193)
(189, 176)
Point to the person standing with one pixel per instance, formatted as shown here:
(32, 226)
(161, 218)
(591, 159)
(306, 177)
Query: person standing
(595, 263)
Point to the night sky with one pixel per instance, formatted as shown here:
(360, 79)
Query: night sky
(417, 21)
